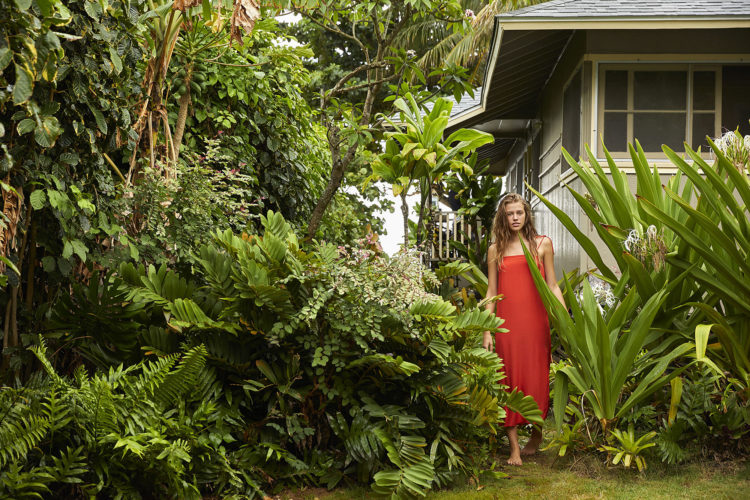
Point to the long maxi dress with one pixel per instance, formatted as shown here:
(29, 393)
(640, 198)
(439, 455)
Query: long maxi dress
(525, 348)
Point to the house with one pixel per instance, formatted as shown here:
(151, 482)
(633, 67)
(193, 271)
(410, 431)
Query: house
(566, 73)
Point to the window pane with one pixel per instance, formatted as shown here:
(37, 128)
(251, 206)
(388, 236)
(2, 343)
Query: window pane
(704, 90)
(616, 131)
(703, 125)
(660, 89)
(654, 129)
(616, 90)
(735, 99)
(571, 134)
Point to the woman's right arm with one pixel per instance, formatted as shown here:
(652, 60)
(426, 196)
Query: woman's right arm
(491, 291)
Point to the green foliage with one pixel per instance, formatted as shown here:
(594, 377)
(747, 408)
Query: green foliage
(478, 194)
(666, 244)
(716, 258)
(627, 448)
(605, 351)
(129, 432)
(95, 68)
(342, 351)
(252, 119)
(416, 153)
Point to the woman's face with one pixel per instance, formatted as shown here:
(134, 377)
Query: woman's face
(516, 215)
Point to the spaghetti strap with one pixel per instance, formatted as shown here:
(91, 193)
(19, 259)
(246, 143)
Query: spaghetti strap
(541, 240)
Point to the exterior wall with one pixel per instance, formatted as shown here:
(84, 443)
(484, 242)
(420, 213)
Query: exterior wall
(583, 52)
(703, 41)
(552, 164)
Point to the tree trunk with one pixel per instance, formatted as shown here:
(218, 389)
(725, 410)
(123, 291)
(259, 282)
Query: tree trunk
(405, 213)
(337, 174)
(179, 127)
(340, 163)
(31, 267)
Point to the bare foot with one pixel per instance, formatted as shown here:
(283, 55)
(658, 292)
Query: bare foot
(533, 445)
(515, 458)
(515, 450)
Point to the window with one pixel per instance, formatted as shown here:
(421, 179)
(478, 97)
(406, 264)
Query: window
(658, 104)
(735, 98)
(571, 132)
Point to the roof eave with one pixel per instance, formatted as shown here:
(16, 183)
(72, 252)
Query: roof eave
(497, 36)
(593, 23)
(608, 22)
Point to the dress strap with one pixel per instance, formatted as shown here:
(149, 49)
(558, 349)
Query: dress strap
(540, 241)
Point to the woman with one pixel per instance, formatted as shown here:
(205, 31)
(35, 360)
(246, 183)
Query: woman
(525, 348)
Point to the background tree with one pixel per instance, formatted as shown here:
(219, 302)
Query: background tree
(371, 28)
(468, 48)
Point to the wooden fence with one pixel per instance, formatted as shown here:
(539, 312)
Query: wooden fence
(452, 226)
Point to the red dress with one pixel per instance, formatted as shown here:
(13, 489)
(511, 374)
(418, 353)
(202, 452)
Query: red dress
(525, 348)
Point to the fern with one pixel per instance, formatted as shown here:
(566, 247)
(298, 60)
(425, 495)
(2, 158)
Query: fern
(17, 483)
(98, 396)
(20, 432)
(69, 466)
(360, 442)
(274, 223)
(184, 378)
(668, 443)
(388, 366)
(477, 320)
(525, 405)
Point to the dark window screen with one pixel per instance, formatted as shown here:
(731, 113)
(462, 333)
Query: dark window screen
(616, 131)
(654, 129)
(659, 90)
(703, 125)
(571, 135)
(704, 90)
(735, 98)
(616, 90)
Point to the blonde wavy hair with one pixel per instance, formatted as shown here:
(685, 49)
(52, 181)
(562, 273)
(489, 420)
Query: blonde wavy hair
(502, 232)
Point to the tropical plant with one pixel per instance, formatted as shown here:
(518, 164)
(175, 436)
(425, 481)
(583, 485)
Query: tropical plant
(372, 27)
(637, 242)
(416, 153)
(468, 48)
(628, 448)
(715, 236)
(161, 28)
(67, 73)
(478, 195)
(154, 428)
(606, 349)
(342, 351)
(278, 145)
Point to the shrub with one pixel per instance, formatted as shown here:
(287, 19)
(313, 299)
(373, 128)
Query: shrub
(322, 365)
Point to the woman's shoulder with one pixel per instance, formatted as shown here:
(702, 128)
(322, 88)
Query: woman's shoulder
(492, 251)
(544, 242)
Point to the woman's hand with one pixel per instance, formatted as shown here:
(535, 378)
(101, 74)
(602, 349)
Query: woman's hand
(487, 341)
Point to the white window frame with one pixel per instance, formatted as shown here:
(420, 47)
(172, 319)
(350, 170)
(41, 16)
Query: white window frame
(688, 67)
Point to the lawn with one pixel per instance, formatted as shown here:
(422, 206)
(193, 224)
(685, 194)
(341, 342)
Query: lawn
(587, 477)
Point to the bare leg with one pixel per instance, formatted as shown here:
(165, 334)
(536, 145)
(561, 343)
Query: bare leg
(534, 442)
(515, 450)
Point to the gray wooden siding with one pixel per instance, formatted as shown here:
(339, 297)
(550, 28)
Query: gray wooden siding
(704, 41)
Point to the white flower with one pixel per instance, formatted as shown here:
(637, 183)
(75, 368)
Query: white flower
(632, 239)
(469, 14)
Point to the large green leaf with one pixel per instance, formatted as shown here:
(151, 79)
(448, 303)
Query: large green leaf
(24, 85)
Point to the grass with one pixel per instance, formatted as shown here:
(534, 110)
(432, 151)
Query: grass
(586, 477)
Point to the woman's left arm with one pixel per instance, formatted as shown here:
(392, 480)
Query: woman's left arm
(548, 260)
